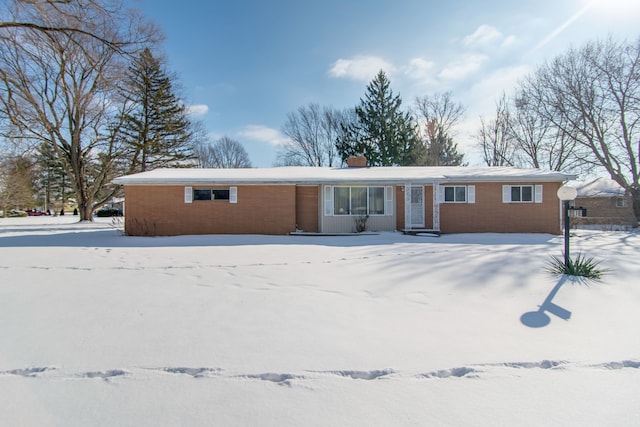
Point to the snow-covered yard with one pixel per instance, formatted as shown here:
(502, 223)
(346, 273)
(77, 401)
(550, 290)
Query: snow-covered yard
(97, 328)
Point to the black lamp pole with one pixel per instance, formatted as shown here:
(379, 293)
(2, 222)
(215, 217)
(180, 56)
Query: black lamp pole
(567, 259)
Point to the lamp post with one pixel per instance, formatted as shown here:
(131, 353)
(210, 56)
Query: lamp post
(566, 193)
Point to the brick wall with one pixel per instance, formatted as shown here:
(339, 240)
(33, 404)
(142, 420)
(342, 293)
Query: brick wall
(307, 208)
(489, 214)
(161, 210)
(603, 210)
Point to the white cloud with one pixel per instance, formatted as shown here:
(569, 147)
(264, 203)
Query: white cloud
(463, 67)
(264, 134)
(197, 109)
(420, 69)
(482, 36)
(509, 41)
(362, 68)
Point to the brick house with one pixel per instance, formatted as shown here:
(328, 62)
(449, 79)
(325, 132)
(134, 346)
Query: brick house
(334, 200)
(606, 203)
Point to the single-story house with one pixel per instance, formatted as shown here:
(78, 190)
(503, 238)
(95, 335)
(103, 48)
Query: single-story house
(328, 200)
(606, 203)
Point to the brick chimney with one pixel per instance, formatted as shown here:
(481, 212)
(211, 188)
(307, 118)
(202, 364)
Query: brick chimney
(357, 161)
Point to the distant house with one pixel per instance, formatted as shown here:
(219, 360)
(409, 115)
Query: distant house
(606, 203)
(340, 200)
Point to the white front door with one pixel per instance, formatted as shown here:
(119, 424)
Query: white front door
(417, 206)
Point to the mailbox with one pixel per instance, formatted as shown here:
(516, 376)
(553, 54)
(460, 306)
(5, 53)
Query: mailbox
(575, 212)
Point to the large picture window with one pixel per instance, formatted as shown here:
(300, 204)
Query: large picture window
(358, 201)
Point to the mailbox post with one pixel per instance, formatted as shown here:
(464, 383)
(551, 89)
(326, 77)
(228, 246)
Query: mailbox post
(566, 193)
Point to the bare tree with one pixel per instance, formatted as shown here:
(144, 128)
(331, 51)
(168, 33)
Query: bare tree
(592, 94)
(58, 88)
(44, 16)
(441, 110)
(539, 143)
(494, 139)
(312, 131)
(224, 153)
(439, 115)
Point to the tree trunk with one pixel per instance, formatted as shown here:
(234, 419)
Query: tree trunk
(85, 211)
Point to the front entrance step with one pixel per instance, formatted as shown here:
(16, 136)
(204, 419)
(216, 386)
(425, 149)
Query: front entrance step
(421, 232)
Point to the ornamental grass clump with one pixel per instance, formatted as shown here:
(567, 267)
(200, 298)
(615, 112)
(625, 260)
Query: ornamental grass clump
(582, 266)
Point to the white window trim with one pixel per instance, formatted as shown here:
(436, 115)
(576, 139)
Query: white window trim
(188, 194)
(621, 202)
(388, 200)
(469, 194)
(328, 200)
(329, 195)
(536, 193)
(233, 194)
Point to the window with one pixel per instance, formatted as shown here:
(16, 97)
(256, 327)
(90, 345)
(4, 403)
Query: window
(376, 201)
(356, 201)
(199, 194)
(621, 203)
(210, 194)
(455, 194)
(220, 194)
(521, 193)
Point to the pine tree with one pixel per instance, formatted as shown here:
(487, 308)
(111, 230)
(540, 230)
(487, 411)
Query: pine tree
(439, 148)
(383, 133)
(52, 180)
(16, 183)
(157, 131)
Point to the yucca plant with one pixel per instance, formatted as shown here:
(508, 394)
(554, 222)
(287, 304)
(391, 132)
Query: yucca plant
(582, 266)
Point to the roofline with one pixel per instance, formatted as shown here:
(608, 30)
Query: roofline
(378, 181)
(336, 176)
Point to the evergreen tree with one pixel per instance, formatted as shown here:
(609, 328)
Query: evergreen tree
(51, 181)
(157, 131)
(383, 133)
(16, 183)
(439, 148)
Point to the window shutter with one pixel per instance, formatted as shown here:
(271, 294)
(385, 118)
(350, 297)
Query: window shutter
(538, 196)
(388, 200)
(233, 194)
(328, 200)
(471, 194)
(188, 194)
(506, 193)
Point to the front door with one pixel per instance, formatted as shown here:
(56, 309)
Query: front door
(417, 207)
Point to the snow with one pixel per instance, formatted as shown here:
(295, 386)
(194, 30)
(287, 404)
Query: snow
(599, 187)
(327, 175)
(383, 329)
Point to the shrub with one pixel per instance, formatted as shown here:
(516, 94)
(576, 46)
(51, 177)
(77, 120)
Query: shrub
(361, 223)
(585, 267)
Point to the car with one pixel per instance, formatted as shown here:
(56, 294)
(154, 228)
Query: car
(108, 211)
(37, 212)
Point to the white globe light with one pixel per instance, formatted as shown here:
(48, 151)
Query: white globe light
(567, 192)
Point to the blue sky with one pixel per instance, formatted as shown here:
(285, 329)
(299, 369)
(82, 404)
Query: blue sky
(244, 65)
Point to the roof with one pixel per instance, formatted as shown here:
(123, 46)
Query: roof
(599, 187)
(324, 175)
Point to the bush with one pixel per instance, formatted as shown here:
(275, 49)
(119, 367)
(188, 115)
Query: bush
(361, 223)
(582, 266)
